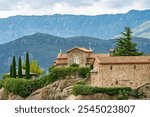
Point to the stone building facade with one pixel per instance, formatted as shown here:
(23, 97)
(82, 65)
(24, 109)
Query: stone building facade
(109, 71)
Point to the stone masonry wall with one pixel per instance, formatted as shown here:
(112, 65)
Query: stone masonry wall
(122, 75)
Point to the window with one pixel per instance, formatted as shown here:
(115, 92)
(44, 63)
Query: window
(111, 67)
(76, 60)
(116, 82)
(134, 66)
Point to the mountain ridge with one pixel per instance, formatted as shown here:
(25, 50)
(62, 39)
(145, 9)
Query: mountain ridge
(99, 26)
(45, 48)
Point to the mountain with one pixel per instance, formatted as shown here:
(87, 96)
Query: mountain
(100, 26)
(45, 48)
(143, 30)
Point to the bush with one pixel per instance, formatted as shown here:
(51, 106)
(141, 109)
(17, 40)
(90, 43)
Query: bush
(79, 89)
(24, 87)
(1, 84)
(136, 94)
(123, 95)
(74, 65)
(20, 87)
(4, 76)
(50, 68)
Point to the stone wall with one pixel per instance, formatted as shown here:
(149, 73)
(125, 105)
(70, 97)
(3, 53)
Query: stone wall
(122, 75)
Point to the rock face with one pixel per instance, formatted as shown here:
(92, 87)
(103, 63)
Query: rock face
(1, 93)
(58, 90)
(98, 96)
(146, 90)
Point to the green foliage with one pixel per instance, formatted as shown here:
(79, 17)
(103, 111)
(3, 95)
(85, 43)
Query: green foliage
(51, 68)
(4, 76)
(20, 68)
(10, 71)
(24, 87)
(5, 94)
(14, 67)
(1, 84)
(27, 71)
(91, 66)
(79, 89)
(125, 46)
(84, 72)
(123, 95)
(35, 68)
(74, 65)
(19, 86)
(136, 94)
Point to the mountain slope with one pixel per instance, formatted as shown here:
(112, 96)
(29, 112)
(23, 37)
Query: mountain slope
(45, 48)
(143, 30)
(100, 26)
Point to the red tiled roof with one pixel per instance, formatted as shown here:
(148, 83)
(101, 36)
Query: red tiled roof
(124, 60)
(82, 49)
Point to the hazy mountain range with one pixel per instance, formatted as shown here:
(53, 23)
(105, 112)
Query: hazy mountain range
(45, 48)
(100, 26)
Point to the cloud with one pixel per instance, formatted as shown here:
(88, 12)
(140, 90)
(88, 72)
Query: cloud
(86, 7)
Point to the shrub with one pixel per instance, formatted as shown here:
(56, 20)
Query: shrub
(4, 76)
(136, 94)
(50, 68)
(123, 95)
(79, 89)
(20, 87)
(74, 65)
(24, 87)
(1, 84)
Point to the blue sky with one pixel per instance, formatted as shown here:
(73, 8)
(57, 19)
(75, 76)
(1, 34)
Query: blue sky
(78, 7)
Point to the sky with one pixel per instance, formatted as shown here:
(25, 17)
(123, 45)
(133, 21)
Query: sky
(77, 7)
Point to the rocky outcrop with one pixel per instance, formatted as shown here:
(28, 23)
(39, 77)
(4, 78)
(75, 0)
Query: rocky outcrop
(98, 96)
(1, 93)
(58, 90)
(145, 89)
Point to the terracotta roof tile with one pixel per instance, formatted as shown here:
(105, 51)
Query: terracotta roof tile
(124, 59)
(82, 49)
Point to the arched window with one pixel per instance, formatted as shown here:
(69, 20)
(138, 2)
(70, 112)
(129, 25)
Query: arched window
(76, 60)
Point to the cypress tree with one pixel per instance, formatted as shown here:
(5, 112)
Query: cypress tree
(125, 46)
(14, 67)
(27, 72)
(11, 71)
(19, 68)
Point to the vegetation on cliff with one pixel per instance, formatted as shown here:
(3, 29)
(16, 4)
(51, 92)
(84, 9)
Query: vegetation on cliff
(122, 93)
(24, 87)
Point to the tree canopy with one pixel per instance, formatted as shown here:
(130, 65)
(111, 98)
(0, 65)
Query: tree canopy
(125, 46)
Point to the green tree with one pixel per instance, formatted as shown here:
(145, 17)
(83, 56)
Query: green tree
(27, 70)
(125, 46)
(19, 68)
(35, 68)
(11, 71)
(14, 67)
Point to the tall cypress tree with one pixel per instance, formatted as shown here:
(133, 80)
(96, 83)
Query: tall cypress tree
(19, 68)
(11, 71)
(14, 67)
(27, 73)
(125, 46)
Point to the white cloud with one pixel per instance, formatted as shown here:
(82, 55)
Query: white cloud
(79, 7)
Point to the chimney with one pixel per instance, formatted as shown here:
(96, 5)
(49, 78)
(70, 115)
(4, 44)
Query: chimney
(111, 51)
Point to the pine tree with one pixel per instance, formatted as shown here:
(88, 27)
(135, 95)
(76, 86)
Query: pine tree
(27, 72)
(125, 46)
(11, 71)
(14, 67)
(19, 68)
